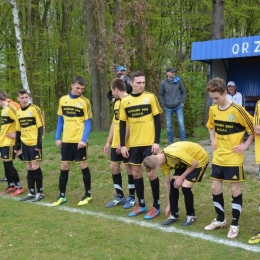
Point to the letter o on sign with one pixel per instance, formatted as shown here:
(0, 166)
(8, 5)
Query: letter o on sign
(235, 49)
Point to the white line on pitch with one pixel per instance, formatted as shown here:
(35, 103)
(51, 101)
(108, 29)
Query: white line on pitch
(200, 235)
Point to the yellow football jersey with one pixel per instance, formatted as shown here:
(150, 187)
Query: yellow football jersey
(28, 122)
(230, 126)
(116, 135)
(182, 154)
(139, 111)
(8, 125)
(74, 111)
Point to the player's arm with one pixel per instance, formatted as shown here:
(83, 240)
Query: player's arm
(180, 179)
(167, 181)
(86, 132)
(212, 138)
(183, 92)
(39, 138)
(157, 124)
(243, 146)
(161, 95)
(257, 129)
(109, 139)
(59, 130)
(122, 131)
(17, 145)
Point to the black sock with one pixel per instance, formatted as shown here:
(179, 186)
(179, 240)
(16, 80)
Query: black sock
(117, 180)
(139, 187)
(12, 173)
(38, 179)
(155, 185)
(236, 209)
(131, 185)
(87, 181)
(218, 201)
(174, 199)
(189, 201)
(31, 181)
(64, 176)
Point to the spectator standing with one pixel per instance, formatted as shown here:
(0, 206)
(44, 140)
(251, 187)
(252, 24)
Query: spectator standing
(172, 95)
(235, 95)
(122, 69)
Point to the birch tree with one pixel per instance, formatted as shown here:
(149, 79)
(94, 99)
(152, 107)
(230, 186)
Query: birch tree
(19, 46)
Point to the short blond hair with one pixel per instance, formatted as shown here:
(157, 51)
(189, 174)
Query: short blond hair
(150, 163)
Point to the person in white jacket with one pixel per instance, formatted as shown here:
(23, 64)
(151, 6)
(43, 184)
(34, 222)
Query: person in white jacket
(235, 95)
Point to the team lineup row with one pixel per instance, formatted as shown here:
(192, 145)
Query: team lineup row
(134, 139)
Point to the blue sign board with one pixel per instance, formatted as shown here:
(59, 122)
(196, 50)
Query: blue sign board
(226, 48)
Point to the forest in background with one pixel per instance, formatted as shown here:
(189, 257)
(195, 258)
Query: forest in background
(90, 38)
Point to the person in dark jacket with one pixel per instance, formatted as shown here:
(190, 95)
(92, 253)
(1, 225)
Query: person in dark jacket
(172, 95)
(128, 87)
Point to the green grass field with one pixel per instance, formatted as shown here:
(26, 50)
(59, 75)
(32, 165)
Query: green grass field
(37, 231)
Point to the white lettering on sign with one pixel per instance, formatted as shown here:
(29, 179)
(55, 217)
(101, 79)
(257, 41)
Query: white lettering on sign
(235, 49)
(257, 48)
(244, 48)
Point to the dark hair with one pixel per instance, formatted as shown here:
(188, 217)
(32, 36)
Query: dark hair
(119, 84)
(81, 81)
(3, 95)
(22, 92)
(216, 85)
(135, 74)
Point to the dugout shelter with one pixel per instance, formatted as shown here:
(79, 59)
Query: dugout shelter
(233, 59)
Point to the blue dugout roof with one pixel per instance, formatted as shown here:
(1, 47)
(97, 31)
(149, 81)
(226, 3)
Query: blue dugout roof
(226, 48)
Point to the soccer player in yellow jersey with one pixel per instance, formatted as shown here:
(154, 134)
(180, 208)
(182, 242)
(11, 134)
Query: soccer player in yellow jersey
(74, 123)
(118, 90)
(29, 132)
(256, 238)
(141, 110)
(189, 160)
(227, 124)
(7, 141)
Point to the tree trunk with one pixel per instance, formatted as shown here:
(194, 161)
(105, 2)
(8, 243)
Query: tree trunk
(97, 63)
(217, 32)
(19, 46)
(217, 26)
(60, 87)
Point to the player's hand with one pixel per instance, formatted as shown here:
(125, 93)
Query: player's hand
(168, 211)
(155, 148)
(124, 152)
(178, 182)
(106, 148)
(81, 144)
(10, 135)
(118, 149)
(240, 148)
(58, 143)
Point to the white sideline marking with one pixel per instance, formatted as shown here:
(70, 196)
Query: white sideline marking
(200, 235)
(226, 242)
